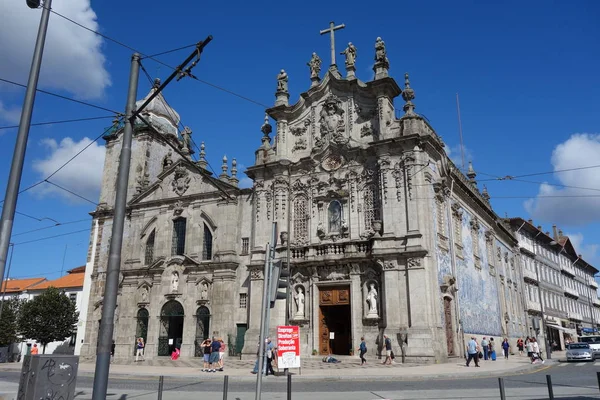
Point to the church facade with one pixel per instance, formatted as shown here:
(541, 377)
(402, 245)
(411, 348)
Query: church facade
(386, 236)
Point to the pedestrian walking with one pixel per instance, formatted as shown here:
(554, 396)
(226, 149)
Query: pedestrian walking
(205, 346)
(505, 347)
(472, 352)
(520, 346)
(34, 350)
(388, 350)
(269, 354)
(362, 348)
(484, 348)
(112, 351)
(139, 349)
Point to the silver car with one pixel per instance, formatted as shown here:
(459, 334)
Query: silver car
(579, 352)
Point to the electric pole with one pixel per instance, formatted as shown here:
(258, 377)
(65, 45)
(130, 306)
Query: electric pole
(111, 288)
(16, 168)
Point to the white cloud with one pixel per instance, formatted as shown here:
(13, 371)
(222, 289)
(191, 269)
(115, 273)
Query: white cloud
(589, 251)
(12, 115)
(570, 205)
(83, 175)
(455, 154)
(73, 59)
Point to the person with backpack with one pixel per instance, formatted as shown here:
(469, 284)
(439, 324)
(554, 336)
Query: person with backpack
(362, 348)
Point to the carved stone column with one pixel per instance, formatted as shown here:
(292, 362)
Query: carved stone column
(255, 305)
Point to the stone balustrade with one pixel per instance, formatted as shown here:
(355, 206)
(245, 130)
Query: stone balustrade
(319, 251)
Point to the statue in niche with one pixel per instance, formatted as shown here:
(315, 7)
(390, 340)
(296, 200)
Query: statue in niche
(204, 291)
(315, 65)
(144, 294)
(299, 298)
(350, 54)
(335, 216)
(282, 82)
(174, 282)
(372, 301)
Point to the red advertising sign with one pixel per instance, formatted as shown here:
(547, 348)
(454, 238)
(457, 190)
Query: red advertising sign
(288, 347)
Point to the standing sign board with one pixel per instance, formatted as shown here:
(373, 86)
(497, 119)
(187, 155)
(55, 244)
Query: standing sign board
(288, 347)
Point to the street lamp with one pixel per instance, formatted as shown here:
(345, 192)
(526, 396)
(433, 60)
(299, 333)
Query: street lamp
(287, 163)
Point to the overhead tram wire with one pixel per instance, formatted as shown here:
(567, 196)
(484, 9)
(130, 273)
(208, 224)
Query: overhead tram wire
(68, 161)
(153, 58)
(64, 121)
(52, 226)
(168, 51)
(51, 237)
(60, 96)
(71, 192)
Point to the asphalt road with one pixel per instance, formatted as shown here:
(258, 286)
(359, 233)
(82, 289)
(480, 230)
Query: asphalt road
(576, 381)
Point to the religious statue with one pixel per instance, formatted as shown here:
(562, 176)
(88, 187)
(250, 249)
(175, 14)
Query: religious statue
(331, 122)
(335, 216)
(204, 291)
(315, 65)
(380, 52)
(282, 81)
(144, 294)
(372, 300)
(350, 54)
(174, 282)
(299, 298)
(168, 160)
(186, 135)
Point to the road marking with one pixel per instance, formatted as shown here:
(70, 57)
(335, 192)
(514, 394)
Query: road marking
(580, 364)
(562, 365)
(597, 363)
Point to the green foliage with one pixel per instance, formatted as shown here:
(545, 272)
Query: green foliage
(50, 316)
(8, 321)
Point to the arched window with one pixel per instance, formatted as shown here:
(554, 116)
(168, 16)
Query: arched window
(149, 254)
(335, 216)
(301, 218)
(371, 204)
(207, 244)
(178, 242)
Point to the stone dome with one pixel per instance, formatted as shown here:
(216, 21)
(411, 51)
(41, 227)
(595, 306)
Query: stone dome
(162, 116)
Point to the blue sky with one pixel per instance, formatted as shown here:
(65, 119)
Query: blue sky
(526, 73)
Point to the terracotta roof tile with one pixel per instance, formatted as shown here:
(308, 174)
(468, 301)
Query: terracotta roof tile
(72, 280)
(18, 285)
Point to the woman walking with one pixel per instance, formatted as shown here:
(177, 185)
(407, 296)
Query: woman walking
(505, 347)
(362, 348)
(140, 349)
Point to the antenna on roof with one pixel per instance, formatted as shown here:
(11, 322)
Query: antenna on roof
(63, 263)
(462, 147)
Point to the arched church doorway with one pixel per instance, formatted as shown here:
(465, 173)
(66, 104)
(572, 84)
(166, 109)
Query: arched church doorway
(202, 329)
(171, 328)
(448, 326)
(141, 330)
(334, 320)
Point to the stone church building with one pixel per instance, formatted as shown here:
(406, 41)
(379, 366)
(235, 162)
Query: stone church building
(386, 234)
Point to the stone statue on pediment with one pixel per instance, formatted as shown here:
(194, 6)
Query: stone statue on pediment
(350, 54)
(315, 65)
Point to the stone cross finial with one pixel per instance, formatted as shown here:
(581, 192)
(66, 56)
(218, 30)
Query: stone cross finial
(234, 180)
(266, 129)
(471, 174)
(331, 30)
(202, 161)
(408, 94)
(224, 167)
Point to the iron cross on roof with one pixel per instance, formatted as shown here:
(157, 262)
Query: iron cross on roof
(332, 28)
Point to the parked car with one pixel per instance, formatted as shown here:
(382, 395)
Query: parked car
(579, 352)
(594, 342)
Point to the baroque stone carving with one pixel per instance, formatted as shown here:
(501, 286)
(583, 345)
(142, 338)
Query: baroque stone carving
(332, 125)
(299, 145)
(414, 262)
(174, 282)
(449, 285)
(282, 82)
(178, 208)
(167, 160)
(334, 273)
(181, 180)
(350, 53)
(256, 274)
(366, 130)
(314, 65)
(475, 224)
(380, 52)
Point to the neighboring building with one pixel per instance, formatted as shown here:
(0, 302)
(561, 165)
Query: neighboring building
(12, 288)
(386, 235)
(569, 297)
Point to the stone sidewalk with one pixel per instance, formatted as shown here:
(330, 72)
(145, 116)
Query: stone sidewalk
(315, 369)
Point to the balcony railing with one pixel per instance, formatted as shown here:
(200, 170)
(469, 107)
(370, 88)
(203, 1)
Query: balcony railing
(592, 282)
(533, 306)
(596, 302)
(328, 250)
(571, 292)
(575, 316)
(568, 269)
(529, 274)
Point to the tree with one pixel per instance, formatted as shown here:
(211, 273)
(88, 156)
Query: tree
(49, 317)
(8, 322)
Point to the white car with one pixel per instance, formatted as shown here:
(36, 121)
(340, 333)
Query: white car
(579, 352)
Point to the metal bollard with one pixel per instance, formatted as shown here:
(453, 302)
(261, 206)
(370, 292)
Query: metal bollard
(161, 382)
(225, 386)
(598, 376)
(502, 392)
(289, 387)
(550, 390)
